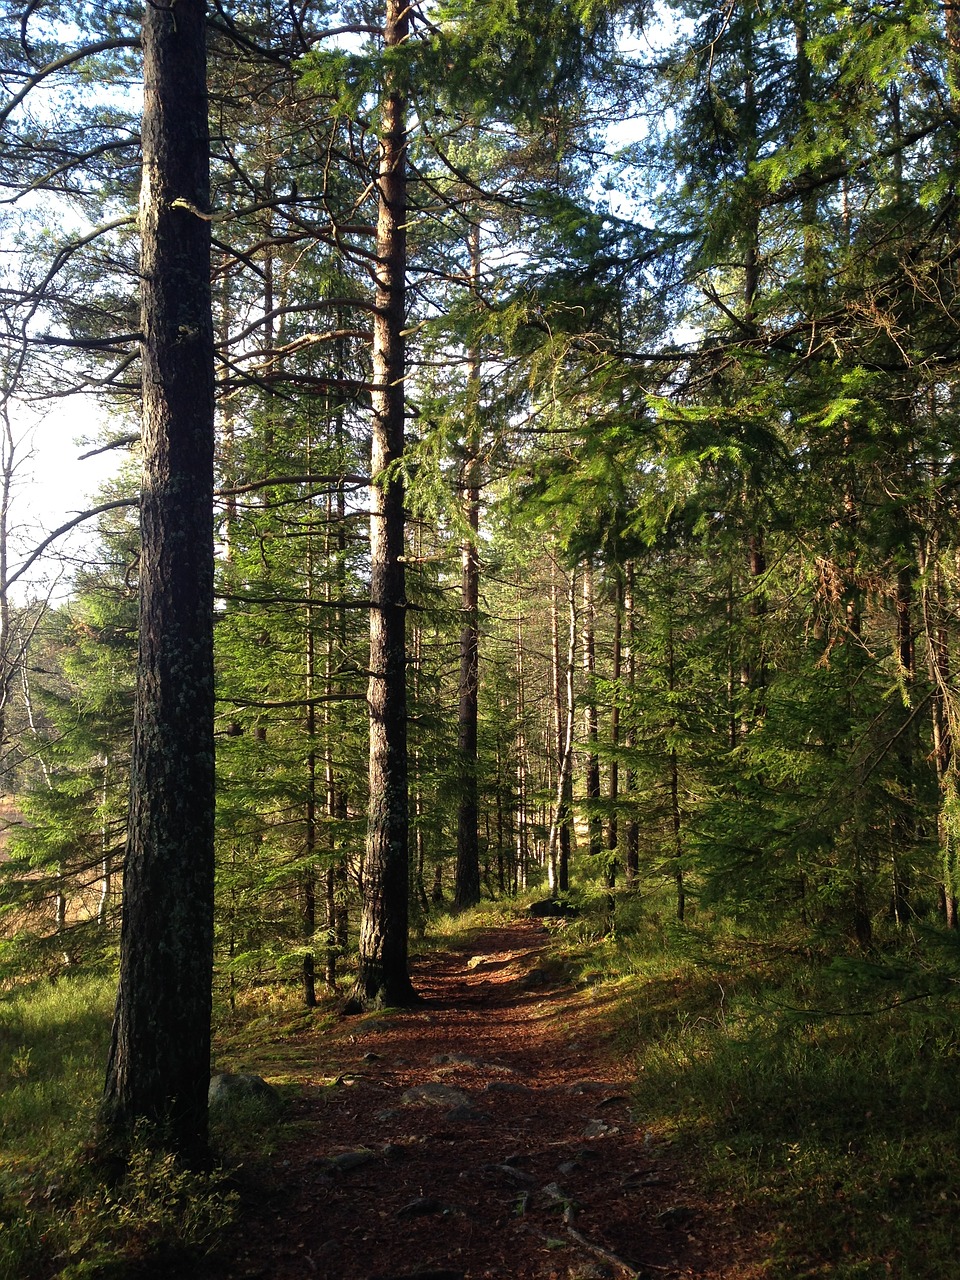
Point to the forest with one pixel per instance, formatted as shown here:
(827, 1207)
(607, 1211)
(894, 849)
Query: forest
(536, 481)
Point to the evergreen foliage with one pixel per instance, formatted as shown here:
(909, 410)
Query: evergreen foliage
(680, 307)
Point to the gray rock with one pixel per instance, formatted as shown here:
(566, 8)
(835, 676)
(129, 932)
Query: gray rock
(533, 979)
(348, 1160)
(505, 1086)
(434, 1094)
(229, 1088)
(344, 1162)
(465, 1060)
(516, 1176)
(597, 1129)
(454, 1060)
(420, 1207)
(469, 1115)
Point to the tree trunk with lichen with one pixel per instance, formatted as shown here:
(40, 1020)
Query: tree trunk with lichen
(382, 974)
(159, 1064)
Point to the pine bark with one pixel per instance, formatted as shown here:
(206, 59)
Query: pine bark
(591, 726)
(159, 1064)
(382, 976)
(467, 883)
(613, 777)
(522, 836)
(631, 853)
(559, 846)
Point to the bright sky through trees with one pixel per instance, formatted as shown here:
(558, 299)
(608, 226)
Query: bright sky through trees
(54, 483)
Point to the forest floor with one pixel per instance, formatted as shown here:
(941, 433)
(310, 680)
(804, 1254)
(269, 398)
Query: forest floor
(488, 1132)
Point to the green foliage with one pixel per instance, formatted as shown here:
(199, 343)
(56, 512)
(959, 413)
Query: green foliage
(739, 1037)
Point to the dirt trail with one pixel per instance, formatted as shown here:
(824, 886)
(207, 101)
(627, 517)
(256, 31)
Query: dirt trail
(480, 1135)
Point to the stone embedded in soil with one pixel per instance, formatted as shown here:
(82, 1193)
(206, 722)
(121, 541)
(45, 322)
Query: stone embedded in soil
(468, 1114)
(434, 1094)
(464, 1060)
(505, 1086)
(420, 1207)
(228, 1088)
(516, 1176)
(534, 978)
(348, 1160)
(597, 1129)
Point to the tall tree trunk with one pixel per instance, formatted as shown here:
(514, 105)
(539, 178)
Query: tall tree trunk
(106, 850)
(158, 1070)
(522, 827)
(308, 875)
(676, 813)
(613, 776)
(939, 666)
(905, 828)
(558, 851)
(753, 674)
(419, 903)
(862, 923)
(467, 882)
(631, 854)
(591, 728)
(382, 976)
(335, 895)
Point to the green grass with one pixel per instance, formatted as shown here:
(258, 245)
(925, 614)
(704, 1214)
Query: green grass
(62, 1214)
(53, 1044)
(828, 1116)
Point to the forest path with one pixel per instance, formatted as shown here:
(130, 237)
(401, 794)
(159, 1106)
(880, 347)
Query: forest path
(486, 1133)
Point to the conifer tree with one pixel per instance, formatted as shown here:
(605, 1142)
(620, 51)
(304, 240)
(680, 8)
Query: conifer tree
(159, 1063)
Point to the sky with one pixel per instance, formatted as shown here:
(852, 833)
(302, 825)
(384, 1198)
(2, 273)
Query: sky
(53, 484)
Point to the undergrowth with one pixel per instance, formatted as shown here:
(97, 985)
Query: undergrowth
(62, 1212)
(818, 1095)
